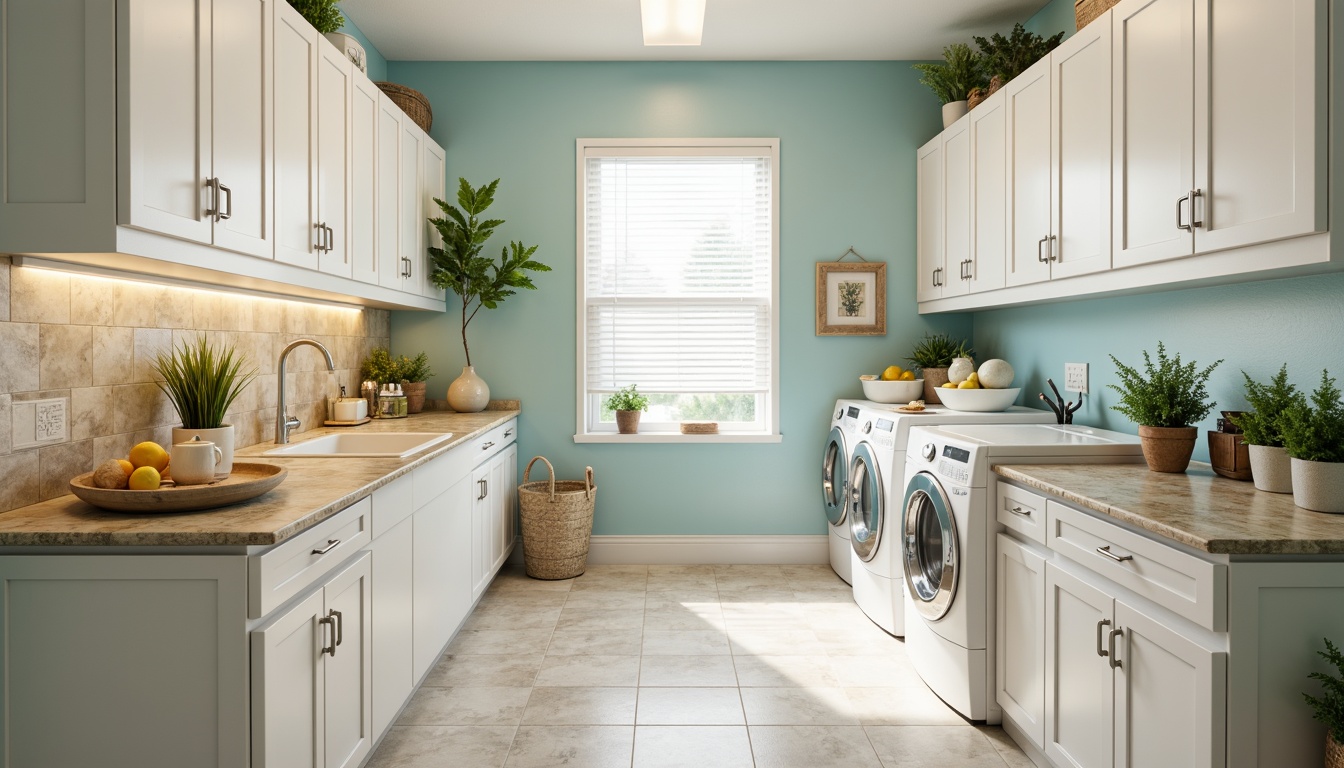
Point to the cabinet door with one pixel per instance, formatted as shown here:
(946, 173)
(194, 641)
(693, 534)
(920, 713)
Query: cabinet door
(483, 531)
(243, 124)
(502, 492)
(432, 183)
(1078, 680)
(364, 179)
(441, 572)
(393, 585)
(989, 189)
(929, 183)
(1019, 661)
(391, 266)
(410, 201)
(1170, 696)
(289, 687)
(1081, 152)
(1028, 97)
(956, 208)
(296, 43)
(333, 157)
(1153, 105)
(1259, 161)
(167, 152)
(349, 681)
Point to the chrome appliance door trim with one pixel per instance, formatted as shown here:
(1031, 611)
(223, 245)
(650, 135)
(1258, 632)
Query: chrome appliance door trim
(866, 494)
(931, 566)
(834, 474)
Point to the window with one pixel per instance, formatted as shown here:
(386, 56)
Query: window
(678, 285)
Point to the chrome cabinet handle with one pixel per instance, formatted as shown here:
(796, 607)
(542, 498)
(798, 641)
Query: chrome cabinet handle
(227, 213)
(212, 210)
(331, 544)
(408, 263)
(508, 433)
(1039, 256)
(1050, 250)
(1106, 552)
(1114, 661)
(321, 236)
(1100, 651)
(340, 627)
(329, 649)
(331, 238)
(1179, 202)
(485, 488)
(936, 274)
(1195, 195)
(487, 446)
(1020, 512)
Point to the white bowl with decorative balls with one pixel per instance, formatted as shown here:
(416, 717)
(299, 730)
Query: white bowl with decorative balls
(979, 400)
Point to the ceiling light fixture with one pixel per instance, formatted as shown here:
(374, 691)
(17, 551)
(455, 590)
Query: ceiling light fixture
(672, 22)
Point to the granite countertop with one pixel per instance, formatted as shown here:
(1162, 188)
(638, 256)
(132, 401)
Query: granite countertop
(1197, 508)
(315, 489)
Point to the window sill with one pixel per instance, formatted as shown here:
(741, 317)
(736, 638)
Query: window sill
(676, 437)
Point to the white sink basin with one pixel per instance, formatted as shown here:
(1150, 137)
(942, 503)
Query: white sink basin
(391, 445)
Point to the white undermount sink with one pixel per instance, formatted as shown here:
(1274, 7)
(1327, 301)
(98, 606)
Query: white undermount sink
(389, 445)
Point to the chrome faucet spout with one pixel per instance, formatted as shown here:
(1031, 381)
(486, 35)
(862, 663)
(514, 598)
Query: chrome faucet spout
(283, 422)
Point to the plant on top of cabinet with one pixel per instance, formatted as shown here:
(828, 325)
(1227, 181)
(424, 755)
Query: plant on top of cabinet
(1313, 434)
(322, 14)
(932, 355)
(1166, 401)
(1008, 57)
(962, 71)
(202, 381)
(1329, 708)
(476, 279)
(1262, 430)
(627, 403)
(415, 371)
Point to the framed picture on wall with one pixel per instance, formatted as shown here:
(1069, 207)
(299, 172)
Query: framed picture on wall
(851, 298)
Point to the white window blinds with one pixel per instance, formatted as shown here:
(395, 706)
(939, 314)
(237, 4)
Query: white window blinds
(678, 258)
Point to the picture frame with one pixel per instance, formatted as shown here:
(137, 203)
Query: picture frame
(851, 298)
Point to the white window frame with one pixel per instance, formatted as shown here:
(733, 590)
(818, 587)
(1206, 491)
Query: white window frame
(587, 406)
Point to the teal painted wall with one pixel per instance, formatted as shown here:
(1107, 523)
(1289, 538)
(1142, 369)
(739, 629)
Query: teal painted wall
(376, 63)
(1057, 15)
(848, 133)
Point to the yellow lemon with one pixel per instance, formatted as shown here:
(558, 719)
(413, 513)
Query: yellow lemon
(907, 375)
(149, 454)
(126, 466)
(968, 384)
(893, 373)
(145, 479)
(949, 385)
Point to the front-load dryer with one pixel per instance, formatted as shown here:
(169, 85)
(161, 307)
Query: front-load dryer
(947, 531)
(835, 485)
(875, 486)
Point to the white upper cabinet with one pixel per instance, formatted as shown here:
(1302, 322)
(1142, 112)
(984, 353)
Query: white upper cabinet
(929, 175)
(989, 188)
(363, 190)
(242, 133)
(411, 241)
(391, 264)
(296, 43)
(1028, 98)
(957, 245)
(432, 185)
(1080, 138)
(332, 214)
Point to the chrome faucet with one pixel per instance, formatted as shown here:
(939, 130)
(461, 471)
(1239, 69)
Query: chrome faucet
(283, 422)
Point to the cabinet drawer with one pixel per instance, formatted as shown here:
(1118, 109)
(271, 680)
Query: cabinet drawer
(494, 441)
(281, 573)
(391, 504)
(1188, 585)
(432, 479)
(1021, 511)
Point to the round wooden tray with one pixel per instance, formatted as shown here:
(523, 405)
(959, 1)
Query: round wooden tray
(246, 482)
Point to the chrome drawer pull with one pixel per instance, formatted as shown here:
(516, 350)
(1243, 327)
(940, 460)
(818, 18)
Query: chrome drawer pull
(1106, 551)
(1020, 511)
(340, 627)
(488, 446)
(329, 649)
(331, 544)
(1114, 661)
(1100, 651)
(508, 432)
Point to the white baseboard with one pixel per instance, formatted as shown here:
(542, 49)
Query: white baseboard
(715, 550)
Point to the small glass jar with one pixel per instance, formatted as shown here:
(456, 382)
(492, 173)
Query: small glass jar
(392, 403)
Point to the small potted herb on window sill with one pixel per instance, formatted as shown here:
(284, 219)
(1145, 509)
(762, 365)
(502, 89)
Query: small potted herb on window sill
(1313, 434)
(1166, 401)
(1262, 430)
(628, 404)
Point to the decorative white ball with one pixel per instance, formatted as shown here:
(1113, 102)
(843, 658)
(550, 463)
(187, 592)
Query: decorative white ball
(996, 374)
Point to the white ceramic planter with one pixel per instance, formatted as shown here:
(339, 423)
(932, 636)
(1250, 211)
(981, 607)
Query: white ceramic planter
(1270, 469)
(468, 393)
(953, 111)
(1318, 485)
(222, 437)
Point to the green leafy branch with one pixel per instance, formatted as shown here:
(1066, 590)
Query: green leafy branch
(1315, 431)
(1261, 425)
(202, 381)
(1168, 394)
(1329, 708)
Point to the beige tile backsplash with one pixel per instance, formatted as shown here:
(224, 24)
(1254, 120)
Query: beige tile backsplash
(92, 339)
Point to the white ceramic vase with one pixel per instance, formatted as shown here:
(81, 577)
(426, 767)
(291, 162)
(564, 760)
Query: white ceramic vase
(1318, 485)
(468, 393)
(952, 112)
(960, 369)
(1270, 469)
(222, 437)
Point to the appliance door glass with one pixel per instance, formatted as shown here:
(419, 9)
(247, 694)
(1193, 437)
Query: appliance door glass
(929, 540)
(834, 469)
(865, 502)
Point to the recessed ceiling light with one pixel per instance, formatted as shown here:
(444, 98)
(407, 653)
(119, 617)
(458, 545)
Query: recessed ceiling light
(672, 22)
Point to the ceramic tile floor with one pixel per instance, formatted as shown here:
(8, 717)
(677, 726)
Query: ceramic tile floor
(681, 666)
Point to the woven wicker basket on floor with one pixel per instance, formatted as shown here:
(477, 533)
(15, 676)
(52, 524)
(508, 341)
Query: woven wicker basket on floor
(411, 101)
(1085, 11)
(557, 520)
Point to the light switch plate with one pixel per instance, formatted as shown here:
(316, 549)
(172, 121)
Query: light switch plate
(40, 422)
(1075, 377)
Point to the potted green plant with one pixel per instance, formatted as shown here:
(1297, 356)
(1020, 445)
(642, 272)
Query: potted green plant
(1166, 401)
(203, 381)
(415, 372)
(479, 281)
(1313, 435)
(1008, 57)
(380, 367)
(952, 81)
(1262, 433)
(1329, 707)
(322, 14)
(933, 355)
(628, 404)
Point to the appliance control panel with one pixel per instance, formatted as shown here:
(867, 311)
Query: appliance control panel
(952, 462)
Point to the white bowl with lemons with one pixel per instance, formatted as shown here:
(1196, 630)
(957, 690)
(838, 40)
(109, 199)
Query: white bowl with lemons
(979, 400)
(893, 386)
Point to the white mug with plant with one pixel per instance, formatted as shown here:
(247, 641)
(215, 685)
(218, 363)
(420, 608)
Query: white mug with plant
(203, 381)
(1166, 401)
(1313, 436)
(628, 404)
(1262, 431)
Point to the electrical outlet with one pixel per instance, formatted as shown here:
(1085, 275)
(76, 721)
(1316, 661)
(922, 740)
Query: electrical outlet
(39, 422)
(1075, 377)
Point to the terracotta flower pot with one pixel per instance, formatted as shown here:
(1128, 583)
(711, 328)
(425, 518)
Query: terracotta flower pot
(933, 379)
(415, 396)
(1270, 469)
(627, 422)
(1168, 449)
(1318, 485)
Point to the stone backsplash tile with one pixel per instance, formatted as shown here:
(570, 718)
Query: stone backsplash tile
(93, 412)
(4, 289)
(89, 301)
(5, 432)
(149, 344)
(19, 351)
(21, 479)
(58, 463)
(39, 296)
(113, 356)
(66, 356)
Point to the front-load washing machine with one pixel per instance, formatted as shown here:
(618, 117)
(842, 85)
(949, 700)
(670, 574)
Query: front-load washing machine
(947, 529)
(876, 469)
(834, 484)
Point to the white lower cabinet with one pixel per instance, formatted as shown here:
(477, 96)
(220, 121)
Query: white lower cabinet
(441, 566)
(492, 517)
(1078, 680)
(1019, 666)
(312, 677)
(393, 617)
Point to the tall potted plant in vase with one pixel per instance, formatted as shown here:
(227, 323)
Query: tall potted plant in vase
(1166, 401)
(1262, 431)
(1313, 435)
(479, 281)
(202, 381)
(962, 71)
